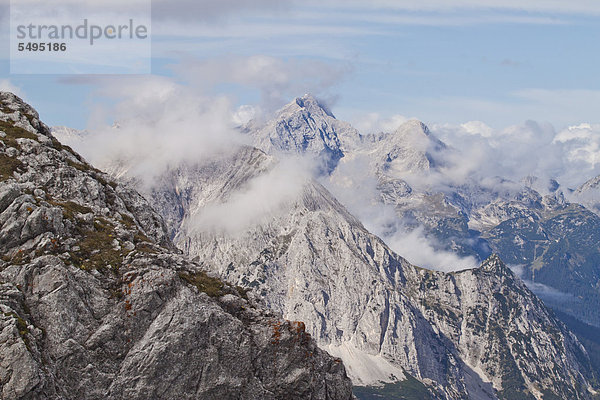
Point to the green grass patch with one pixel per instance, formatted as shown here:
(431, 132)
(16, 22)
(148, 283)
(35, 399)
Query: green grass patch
(22, 328)
(13, 133)
(70, 209)
(96, 249)
(8, 166)
(209, 285)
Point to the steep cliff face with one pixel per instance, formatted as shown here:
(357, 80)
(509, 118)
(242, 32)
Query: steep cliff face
(475, 334)
(96, 302)
(502, 331)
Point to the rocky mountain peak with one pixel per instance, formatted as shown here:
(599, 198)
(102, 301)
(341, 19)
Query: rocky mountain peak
(304, 126)
(413, 127)
(410, 149)
(495, 265)
(21, 115)
(588, 194)
(592, 184)
(309, 103)
(416, 134)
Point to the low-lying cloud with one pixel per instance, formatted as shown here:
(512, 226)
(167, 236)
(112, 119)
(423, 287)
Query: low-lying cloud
(261, 199)
(424, 251)
(570, 156)
(153, 125)
(354, 186)
(276, 80)
(150, 124)
(545, 292)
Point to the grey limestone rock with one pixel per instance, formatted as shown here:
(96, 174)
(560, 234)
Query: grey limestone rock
(96, 303)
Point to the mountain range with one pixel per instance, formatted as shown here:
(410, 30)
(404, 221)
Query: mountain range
(97, 303)
(479, 333)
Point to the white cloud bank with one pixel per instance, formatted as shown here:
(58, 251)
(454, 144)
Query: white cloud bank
(160, 123)
(571, 156)
(255, 204)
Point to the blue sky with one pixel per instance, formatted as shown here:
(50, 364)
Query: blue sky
(448, 61)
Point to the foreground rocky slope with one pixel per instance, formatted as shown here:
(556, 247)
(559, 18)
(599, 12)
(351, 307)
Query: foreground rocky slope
(95, 303)
(478, 334)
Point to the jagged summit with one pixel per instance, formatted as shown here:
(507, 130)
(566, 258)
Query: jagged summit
(588, 194)
(309, 103)
(417, 134)
(414, 125)
(592, 184)
(409, 149)
(304, 126)
(495, 265)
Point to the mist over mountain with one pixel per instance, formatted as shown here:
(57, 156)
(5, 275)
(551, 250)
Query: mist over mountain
(263, 222)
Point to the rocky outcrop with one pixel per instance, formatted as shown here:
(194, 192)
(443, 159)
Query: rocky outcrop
(95, 302)
(501, 330)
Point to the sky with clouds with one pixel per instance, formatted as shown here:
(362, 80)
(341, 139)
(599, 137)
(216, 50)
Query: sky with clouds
(442, 61)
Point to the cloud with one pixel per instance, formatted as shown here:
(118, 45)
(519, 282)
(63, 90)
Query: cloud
(423, 251)
(354, 186)
(375, 122)
(541, 6)
(192, 10)
(89, 9)
(433, 17)
(545, 292)
(485, 163)
(160, 124)
(571, 156)
(258, 202)
(277, 80)
(581, 144)
(210, 10)
(144, 126)
(7, 86)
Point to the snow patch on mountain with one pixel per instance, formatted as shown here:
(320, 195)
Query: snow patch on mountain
(366, 369)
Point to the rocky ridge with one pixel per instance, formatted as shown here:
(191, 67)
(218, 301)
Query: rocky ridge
(589, 193)
(97, 303)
